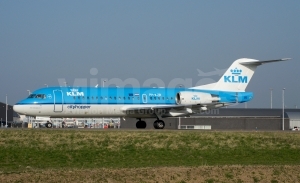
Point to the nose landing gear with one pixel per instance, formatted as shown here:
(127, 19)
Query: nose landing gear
(48, 125)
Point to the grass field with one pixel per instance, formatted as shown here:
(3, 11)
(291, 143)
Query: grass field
(36, 151)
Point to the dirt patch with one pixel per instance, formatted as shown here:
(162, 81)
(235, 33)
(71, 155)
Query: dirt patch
(208, 174)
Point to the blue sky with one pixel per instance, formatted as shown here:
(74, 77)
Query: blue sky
(46, 42)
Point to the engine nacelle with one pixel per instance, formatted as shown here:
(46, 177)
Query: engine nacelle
(194, 98)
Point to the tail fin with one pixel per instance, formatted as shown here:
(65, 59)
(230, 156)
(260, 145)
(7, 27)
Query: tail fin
(237, 76)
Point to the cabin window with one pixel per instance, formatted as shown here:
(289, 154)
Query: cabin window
(154, 98)
(74, 97)
(171, 98)
(110, 97)
(92, 98)
(78, 97)
(83, 97)
(101, 98)
(150, 98)
(158, 98)
(132, 98)
(115, 98)
(119, 98)
(96, 98)
(124, 98)
(88, 98)
(128, 98)
(138, 98)
(167, 98)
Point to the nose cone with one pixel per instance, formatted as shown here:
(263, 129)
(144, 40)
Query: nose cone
(19, 109)
(16, 108)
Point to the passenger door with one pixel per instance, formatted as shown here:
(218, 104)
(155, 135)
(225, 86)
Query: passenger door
(58, 100)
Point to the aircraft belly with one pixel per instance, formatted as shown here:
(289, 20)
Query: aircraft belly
(140, 115)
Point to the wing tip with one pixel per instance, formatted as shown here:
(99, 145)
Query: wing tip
(284, 59)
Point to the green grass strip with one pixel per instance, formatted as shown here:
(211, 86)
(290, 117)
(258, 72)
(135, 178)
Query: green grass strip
(127, 149)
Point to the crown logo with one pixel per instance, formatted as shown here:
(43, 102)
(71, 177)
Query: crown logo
(236, 71)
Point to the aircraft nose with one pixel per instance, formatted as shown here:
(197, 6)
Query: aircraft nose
(18, 108)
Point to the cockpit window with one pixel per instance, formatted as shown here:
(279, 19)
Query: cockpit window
(41, 96)
(32, 96)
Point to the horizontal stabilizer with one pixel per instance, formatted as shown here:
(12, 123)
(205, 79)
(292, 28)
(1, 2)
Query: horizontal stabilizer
(259, 62)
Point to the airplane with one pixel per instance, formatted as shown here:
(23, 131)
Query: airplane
(219, 72)
(141, 103)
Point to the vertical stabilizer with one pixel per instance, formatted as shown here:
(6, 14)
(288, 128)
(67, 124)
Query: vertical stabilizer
(237, 76)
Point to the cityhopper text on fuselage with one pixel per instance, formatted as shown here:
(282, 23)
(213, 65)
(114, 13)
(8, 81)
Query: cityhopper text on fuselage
(141, 103)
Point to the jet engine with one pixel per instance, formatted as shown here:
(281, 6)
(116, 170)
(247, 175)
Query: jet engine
(194, 98)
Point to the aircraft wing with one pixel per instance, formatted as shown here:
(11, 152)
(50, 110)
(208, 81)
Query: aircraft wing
(174, 110)
(141, 107)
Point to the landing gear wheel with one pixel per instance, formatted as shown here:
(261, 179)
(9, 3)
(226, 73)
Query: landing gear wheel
(141, 124)
(159, 124)
(49, 125)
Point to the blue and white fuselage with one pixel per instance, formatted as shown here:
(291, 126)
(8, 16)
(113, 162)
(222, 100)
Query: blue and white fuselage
(142, 102)
(120, 102)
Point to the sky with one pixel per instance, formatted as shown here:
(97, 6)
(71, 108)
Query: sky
(86, 42)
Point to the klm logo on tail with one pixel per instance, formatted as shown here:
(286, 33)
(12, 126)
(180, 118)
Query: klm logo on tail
(236, 77)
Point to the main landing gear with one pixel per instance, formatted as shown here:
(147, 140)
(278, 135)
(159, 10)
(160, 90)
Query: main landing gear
(158, 124)
(141, 124)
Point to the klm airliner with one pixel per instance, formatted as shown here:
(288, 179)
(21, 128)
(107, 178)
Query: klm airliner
(141, 103)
